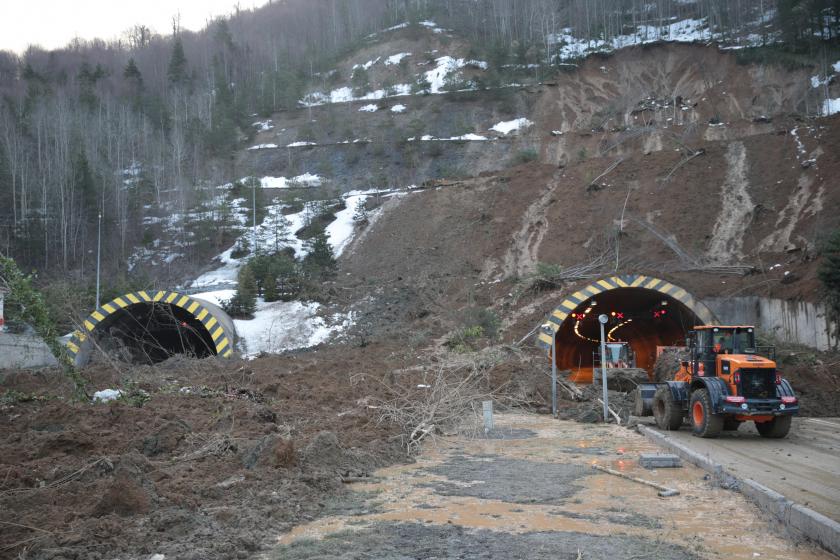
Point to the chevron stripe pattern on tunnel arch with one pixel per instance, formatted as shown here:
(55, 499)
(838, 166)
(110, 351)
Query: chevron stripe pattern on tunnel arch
(221, 339)
(570, 303)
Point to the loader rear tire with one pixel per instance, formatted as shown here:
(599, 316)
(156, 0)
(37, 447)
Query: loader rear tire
(704, 422)
(777, 428)
(667, 412)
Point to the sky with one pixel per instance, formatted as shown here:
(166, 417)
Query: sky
(53, 23)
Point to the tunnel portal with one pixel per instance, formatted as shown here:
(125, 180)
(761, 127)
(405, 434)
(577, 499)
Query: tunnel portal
(143, 327)
(643, 311)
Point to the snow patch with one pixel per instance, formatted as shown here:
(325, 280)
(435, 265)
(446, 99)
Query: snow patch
(396, 58)
(370, 108)
(216, 297)
(300, 144)
(287, 325)
(264, 147)
(367, 64)
(305, 180)
(506, 127)
(830, 107)
(264, 126)
(398, 108)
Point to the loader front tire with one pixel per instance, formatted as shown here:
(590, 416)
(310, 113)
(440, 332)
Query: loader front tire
(704, 422)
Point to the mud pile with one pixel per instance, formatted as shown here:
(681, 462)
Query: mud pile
(200, 459)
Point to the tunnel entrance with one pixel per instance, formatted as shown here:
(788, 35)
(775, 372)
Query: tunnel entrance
(153, 332)
(149, 328)
(643, 311)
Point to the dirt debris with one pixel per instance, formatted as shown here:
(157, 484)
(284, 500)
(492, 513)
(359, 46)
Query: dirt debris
(208, 472)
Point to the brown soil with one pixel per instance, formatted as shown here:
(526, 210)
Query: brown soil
(249, 450)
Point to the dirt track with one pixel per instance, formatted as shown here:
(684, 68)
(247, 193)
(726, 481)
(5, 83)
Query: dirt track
(531, 492)
(802, 467)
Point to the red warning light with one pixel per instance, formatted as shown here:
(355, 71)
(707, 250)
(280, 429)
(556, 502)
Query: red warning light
(619, 315)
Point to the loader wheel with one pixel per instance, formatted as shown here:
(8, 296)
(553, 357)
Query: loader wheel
(668, 414)
(776, 428)
(730, 424)
(704, 422)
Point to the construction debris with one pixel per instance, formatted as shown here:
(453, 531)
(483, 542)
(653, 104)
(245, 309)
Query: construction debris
(659, 461)
(664, 491)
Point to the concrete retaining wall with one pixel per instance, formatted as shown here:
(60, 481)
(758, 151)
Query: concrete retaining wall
(789, 321)
(24, 351)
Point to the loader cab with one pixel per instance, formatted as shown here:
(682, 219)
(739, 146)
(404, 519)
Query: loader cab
(709, 342)
(619, 355)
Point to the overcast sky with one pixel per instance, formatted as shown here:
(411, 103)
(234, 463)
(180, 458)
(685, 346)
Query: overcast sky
(53, 23)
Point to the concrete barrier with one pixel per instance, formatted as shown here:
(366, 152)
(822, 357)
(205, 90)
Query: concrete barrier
(800, 520)
(24, 351)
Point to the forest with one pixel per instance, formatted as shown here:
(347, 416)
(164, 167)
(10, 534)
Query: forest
(112, 129)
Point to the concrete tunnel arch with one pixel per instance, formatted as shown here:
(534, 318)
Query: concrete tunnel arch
(157, 325)
(636, 296)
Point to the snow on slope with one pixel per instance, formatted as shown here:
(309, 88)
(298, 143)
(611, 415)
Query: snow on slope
(287, 325)
(305, 180)
(506, 127)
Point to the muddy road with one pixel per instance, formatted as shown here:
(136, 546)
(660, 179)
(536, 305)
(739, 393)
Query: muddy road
(802, 467)
(530, 491)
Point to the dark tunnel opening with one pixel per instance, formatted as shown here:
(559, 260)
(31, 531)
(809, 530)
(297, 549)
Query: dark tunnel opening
(151, 332)
(641, 317)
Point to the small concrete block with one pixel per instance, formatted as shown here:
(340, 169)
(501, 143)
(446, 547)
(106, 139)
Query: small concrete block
(659, 461)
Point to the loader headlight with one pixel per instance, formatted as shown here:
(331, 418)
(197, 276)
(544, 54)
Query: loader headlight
(781, 407)
(744, 406)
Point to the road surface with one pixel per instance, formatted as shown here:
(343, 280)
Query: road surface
(529, 491)
(804, 467)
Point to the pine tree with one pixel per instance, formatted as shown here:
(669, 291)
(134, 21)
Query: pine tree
(270, 288)
(360, 81)
(320, 262)
(177, 71)
(132, 75)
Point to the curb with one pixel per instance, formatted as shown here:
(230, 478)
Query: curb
(801, 520)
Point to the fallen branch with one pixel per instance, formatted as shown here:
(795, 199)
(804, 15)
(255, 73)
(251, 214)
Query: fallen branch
(606, 171)
(664, 491)
(63, 480)
(681, 163)
(614, 413)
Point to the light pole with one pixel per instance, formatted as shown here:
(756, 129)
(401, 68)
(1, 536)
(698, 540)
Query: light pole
(554, 374)
(254, 230)
(98, 255)
(602, 319)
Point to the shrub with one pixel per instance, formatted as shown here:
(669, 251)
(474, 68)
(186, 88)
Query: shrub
(524, 156)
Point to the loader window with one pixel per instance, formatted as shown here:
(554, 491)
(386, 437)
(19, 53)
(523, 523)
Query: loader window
(723, 342)
(745, 340)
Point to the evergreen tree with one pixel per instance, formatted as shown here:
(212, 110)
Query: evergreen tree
(177, 71)
(270, 288)
(360, 81)
(320, 262)
(134, 79)
(244, 301)
(84, 181)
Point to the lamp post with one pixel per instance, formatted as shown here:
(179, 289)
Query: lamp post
(602, 319)
(98, 255)
(254, 230)
(554, 374)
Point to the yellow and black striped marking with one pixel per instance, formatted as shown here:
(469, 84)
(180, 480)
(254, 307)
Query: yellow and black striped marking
(547, 330)
(220, 338)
